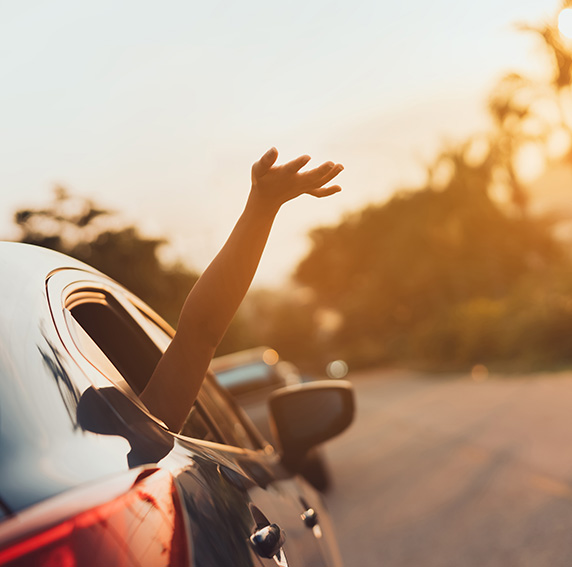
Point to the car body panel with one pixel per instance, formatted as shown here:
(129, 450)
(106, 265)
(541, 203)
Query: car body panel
(251, 376)
(70, 422)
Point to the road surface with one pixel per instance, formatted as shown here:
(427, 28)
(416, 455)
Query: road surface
(439, 472)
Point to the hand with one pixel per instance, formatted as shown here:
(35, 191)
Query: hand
(275, 185)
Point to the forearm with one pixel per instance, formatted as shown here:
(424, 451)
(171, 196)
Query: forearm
(206, 314)
(216, 296)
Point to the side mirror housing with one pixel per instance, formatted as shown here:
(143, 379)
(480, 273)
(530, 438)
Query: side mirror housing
(305, 415)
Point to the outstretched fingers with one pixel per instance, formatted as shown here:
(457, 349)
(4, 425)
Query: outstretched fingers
(330, 174)
(318, 172)
(323, 173)
(264, 164)
(286, 182)
(324, 191)
(297, 164)
(316, 178)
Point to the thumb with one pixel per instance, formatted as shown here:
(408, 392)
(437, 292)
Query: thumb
(265, 163)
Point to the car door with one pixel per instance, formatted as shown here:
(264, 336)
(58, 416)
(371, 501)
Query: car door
(233, 483)
(275, 496)
(249, 464)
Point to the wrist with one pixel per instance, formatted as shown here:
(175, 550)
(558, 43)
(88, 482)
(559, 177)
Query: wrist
(261, 205)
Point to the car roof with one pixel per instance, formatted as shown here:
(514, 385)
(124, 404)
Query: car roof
(25, 262)
(23, 297)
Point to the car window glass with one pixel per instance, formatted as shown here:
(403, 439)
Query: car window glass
(160, 335)
(124, 343)
(130, 347)
(213, 417)
(95, 356)
(198, 425)
(224, 417)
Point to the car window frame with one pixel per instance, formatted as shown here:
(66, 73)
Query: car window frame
(64, 283)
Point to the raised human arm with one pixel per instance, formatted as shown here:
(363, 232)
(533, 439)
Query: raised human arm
(214, 299)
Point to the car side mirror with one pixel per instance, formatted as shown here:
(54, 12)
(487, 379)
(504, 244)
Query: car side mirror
(305, 415)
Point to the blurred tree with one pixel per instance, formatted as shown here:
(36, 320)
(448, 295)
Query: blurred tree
(443, 273)
(396, 271)
(532, 113)
(446, 274)
(282, 320)
(77, 227)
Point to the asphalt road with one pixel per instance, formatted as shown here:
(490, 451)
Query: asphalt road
(453, 472)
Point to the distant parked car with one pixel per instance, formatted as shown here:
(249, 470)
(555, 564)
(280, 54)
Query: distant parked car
(251, 376)
(89, 477)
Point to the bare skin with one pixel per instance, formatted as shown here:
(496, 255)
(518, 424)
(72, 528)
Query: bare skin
(213, 301)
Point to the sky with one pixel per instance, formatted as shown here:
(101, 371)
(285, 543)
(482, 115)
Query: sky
(158, 109)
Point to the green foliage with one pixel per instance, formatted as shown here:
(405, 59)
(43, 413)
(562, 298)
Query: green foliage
(77, 227)
(528, 329)
(405, 274)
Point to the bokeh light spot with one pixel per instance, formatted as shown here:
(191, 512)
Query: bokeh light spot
(270, 356)
(565, 22)
(479, 373)
(337, 369)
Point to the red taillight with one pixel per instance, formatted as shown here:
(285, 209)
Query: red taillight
(143, 527)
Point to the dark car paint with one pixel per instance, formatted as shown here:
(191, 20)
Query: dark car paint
(252, 393)
(64, 425)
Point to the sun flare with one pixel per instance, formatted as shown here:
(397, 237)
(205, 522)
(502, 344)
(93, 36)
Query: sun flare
(565, 22)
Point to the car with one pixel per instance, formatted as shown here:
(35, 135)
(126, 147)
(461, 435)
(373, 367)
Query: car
(89, 477)
(254, 372)
(251, 376)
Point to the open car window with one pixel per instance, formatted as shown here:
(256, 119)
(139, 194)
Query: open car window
(125, 344)
(215, 407)
(121, 340)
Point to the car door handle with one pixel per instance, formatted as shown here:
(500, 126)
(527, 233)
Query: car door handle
(268, 540)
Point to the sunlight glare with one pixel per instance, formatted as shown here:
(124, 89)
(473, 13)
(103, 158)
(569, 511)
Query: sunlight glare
(565, 22)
